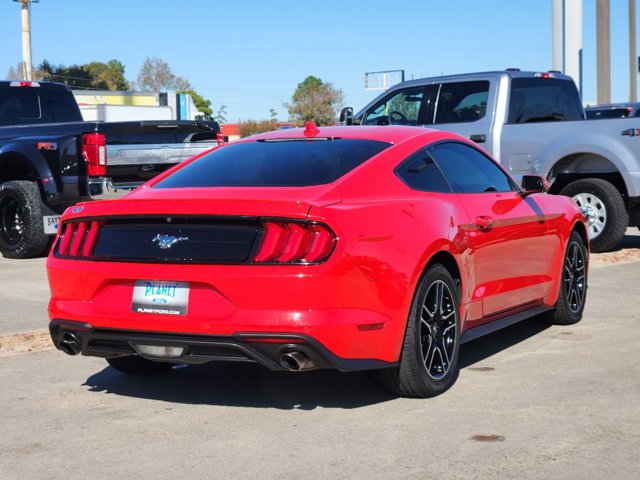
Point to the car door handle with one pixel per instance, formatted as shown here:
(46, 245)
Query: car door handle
(478, 138)
(484, 223)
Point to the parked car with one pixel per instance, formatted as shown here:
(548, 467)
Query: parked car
(613, 110)
(341, 247)
(532, 123)
(50, 159)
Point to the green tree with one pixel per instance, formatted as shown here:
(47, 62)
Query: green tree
(251, 127)
(94, 75)
(75, 76)
(315, 100)
(221, 114)
(202, 104)
(107, 76)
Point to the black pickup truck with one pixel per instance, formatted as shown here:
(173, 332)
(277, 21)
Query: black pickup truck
(51, 159)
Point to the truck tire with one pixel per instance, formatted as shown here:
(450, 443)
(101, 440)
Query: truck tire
(21, 228)
(605, 211)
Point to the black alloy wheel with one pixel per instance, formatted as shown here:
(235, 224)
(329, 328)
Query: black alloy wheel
(572, 293)
(428, 363)
(11, 220)
(574, 278)
(21, 221)
(438, 330)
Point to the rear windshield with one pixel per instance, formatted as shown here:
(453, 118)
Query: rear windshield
(279, 163)
(26, 105)
(543, 100)
(608, 113)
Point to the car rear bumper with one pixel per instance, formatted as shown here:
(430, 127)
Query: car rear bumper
(352, 316)
(268, 350)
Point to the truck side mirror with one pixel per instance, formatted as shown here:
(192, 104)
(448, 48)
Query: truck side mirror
(534, 184)
(346, 116)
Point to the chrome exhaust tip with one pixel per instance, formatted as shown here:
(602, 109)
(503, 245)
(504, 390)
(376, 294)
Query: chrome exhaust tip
(295, 361)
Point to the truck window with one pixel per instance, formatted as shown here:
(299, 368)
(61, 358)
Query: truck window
(21, 105)
(461, 102)
(543, 100)
(401, 108)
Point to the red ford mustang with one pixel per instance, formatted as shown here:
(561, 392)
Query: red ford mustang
(350, 248)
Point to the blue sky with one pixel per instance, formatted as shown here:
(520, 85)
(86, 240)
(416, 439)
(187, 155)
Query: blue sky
(250, 55)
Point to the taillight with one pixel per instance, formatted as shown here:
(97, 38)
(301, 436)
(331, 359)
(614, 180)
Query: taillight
(94, 150)
(78, 239)
(292, 242)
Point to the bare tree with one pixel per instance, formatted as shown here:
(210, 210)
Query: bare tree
(156, 75)
(16, 73)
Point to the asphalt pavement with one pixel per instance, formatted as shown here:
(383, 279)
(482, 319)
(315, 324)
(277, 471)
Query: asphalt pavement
(532, 402)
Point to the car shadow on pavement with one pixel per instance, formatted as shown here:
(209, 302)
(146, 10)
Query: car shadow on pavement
(630, 241)
(253, 386)
(482, 348)
(246, 385)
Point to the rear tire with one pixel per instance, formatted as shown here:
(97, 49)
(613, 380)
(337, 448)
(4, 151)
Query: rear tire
(572, 293)
(136, 365)
(21, 228)
(429, 358)
(605, 211)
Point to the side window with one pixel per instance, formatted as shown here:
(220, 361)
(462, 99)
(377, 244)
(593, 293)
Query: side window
(468, 170)
(401, 108)
(461, 102)
(420, 172)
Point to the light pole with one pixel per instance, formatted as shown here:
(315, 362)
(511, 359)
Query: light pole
(633, 86)
(26, 39)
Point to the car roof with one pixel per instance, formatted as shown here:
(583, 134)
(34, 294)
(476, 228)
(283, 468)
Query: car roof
(512, 73)
(391, 134)
(613, 105)
(34, 83)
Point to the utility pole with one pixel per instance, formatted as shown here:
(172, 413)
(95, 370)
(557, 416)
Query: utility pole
(633, 82)
(603, 51)
(26, 39)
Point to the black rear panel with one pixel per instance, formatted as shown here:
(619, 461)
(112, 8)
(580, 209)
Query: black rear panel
(177, 240)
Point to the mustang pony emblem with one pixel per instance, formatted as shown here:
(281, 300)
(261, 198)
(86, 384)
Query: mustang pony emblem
(167, 241)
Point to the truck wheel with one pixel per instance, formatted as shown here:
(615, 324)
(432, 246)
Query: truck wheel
(603, 207)
(21, 228)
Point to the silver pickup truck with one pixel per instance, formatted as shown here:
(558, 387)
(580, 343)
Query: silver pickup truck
(532, 123)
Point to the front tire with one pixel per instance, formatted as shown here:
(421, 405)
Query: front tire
(21, 228)
(429, 358)
(604, 209)
(573, 286)
(136, 365)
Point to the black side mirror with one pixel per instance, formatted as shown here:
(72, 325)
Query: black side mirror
(346, 116)
(534, 184)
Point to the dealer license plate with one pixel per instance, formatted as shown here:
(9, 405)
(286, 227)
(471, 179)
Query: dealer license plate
(50, 223)
(160, 297)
